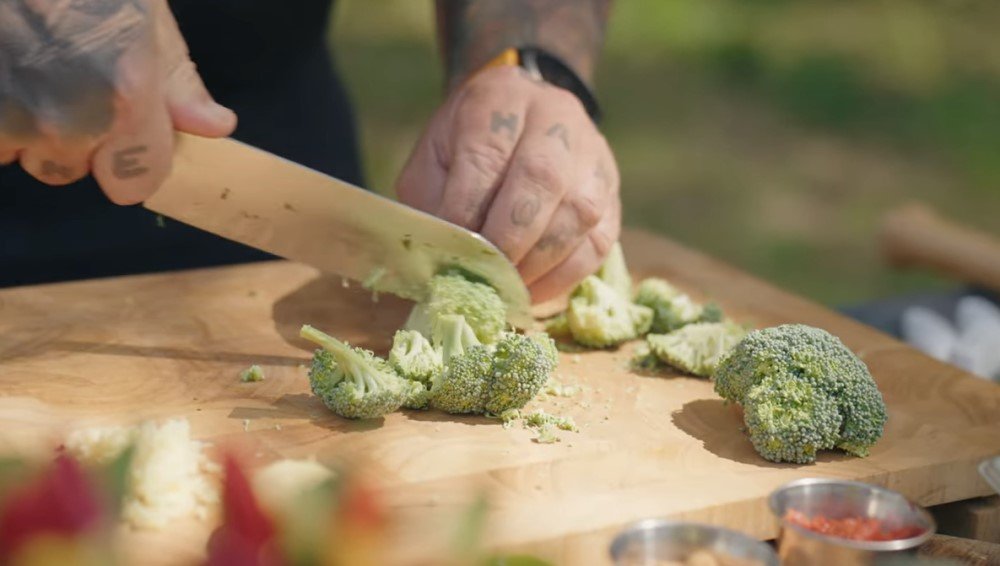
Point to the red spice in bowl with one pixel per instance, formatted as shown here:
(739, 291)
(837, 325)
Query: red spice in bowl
(852, 528)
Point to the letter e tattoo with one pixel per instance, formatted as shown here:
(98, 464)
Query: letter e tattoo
(125, 163)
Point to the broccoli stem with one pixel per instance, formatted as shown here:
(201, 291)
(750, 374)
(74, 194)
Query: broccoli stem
(324, 340)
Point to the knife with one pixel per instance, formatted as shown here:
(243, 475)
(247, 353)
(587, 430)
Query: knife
(250, 196)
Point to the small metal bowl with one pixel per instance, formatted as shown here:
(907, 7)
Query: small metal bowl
(840, 499)
(654, 541)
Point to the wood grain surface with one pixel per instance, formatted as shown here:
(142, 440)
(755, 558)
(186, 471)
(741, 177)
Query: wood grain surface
(159, 346)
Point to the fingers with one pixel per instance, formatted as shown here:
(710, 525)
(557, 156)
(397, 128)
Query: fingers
(541, 172)
(581, 262)
(487, 129)
(421, 182)
(192, 109)
(55, 165)
(577, 214)
(136, 157)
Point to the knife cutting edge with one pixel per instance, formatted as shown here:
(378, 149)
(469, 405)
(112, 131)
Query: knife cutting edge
(256, 198)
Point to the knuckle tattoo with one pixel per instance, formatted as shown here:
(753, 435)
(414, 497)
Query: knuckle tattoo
(125, 163)
(504, 121)
(558, 130)
(52, 169)
(524, 212)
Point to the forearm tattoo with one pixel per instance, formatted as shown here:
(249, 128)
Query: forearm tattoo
(474, 31)
(58, 62)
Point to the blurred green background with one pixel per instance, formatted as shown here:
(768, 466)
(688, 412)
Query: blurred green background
(772, 134)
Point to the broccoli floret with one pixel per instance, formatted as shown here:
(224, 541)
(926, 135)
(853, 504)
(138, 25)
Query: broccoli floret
(789, 420)
(615, 273)
(671, 308)
(252, 374)
(599, 317)
(464, 385)
(453, 336)
(479, 303)
(696, 348)
(520, 369)
(418, 395)
(414, 357)
(821, 360)
(548, 345)
(353, 382)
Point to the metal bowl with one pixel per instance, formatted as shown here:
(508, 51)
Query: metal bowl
(654, 541)
(839, 499)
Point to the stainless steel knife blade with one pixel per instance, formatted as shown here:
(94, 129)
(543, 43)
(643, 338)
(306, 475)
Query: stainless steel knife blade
(253, 197)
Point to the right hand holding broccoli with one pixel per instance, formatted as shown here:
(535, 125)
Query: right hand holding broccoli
(98, 87)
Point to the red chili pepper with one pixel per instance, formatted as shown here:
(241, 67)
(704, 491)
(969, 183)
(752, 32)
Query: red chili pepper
(61, 501)
(853, 528)
(247, 535)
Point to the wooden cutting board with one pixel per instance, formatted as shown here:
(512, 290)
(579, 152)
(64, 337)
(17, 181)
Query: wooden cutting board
(158, 346)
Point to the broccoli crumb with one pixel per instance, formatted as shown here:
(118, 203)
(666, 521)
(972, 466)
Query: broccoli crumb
(509, 417)
(546, 435)
(246, 425)
(541, 419)
(576, 358)
(252, 374)
(556, 389)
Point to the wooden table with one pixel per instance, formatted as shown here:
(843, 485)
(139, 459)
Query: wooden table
(157, 346)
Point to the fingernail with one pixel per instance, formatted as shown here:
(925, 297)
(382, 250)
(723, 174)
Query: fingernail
(218, 113)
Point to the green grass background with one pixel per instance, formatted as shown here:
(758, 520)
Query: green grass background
(770, 133)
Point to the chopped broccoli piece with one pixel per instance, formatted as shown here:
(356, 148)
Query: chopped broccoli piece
(414, 357)
(418, 395)
(453, 294)
(520, 369)
(696, 348)
(453, 336)
(557, 325)
(252, 374)
(464, 385)
(599, 317)
(353, 382)
(813, 356)
(711, 312)
(615, 273)
(643, 359)
(671, 308)
(789, 420)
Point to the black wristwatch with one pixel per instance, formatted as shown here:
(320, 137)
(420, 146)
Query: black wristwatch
(547, 67)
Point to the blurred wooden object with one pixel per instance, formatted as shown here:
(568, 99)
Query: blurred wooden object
(965, 551)
(915, 235)
(976, 519)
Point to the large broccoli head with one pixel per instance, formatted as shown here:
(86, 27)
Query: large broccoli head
(600, 317)
(813, 356)
(453, 294)
(789, 420)
(353, 382)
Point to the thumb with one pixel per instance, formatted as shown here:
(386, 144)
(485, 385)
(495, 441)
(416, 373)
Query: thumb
(192, 109)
